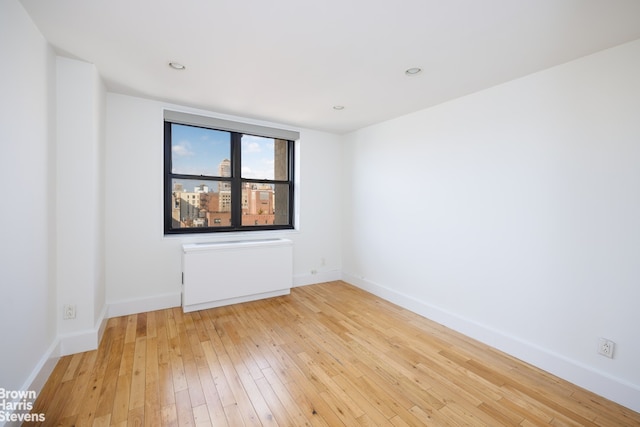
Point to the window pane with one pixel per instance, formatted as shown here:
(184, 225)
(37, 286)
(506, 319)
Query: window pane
(265, 204)
(199, 151)
(264, 158)
(199, 203)
(282, 204)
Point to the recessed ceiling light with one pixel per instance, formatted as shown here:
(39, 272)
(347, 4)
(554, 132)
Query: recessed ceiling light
(176, 66)
(338, 107)
(413, 71)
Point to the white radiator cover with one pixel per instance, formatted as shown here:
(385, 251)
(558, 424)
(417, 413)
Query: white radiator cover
(222, 273)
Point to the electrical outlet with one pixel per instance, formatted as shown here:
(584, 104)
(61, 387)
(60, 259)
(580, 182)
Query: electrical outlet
(605, 347)
(68, 312)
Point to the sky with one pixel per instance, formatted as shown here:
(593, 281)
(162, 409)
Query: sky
(199, 151)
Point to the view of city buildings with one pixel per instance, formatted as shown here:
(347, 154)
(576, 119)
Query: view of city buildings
(208, 204)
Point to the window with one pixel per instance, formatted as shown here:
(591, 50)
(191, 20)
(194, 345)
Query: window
(226, 176)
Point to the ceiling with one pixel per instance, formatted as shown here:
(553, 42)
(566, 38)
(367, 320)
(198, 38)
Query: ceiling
(291, 61)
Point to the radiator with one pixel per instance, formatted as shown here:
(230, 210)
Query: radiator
(222, 273)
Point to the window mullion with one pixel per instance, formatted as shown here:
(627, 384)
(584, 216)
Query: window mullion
(291, 159)
(236, 182)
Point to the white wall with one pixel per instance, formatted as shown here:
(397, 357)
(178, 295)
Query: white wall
(143, 268)
(512, 215)
(80, 238)
(27, 173)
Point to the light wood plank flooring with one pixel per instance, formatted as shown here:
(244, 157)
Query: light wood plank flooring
(326, 355)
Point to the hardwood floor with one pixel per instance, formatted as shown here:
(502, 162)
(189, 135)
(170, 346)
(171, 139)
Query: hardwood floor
(326, 355)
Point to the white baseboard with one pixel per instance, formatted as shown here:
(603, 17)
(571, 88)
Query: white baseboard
(170, 300)
(319, 277)
(101, 325)
(86, 340)
(38, 377)
(62, 346)
(44, 368)
(615, 389)
(143, 305)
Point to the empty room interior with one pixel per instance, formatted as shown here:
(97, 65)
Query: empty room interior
(320, 213)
